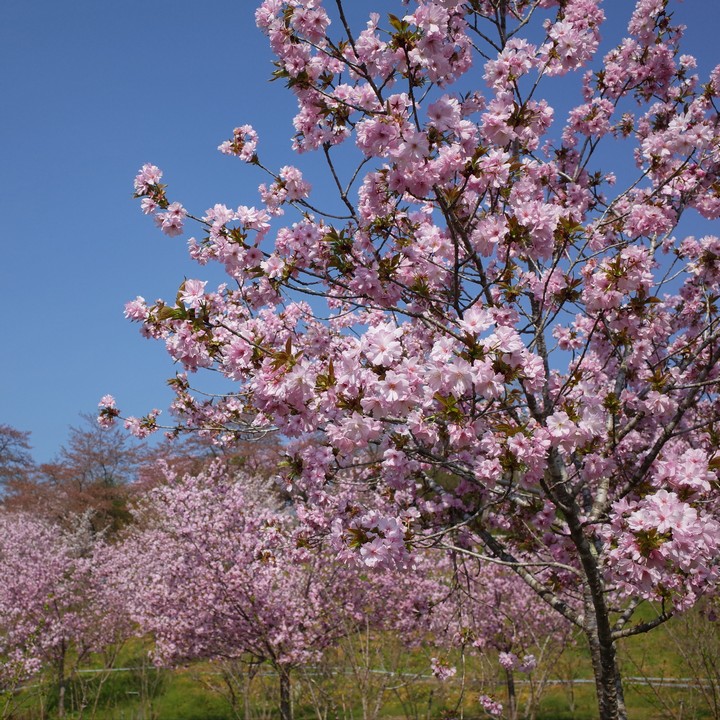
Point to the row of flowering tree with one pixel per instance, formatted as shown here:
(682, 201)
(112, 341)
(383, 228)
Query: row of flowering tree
(57, 605)
(496, 341)
(211, 569)
(214, 569)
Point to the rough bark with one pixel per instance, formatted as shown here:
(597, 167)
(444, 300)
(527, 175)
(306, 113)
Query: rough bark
(286, 709)
(512, 697)
(61, 682)
(598, 631)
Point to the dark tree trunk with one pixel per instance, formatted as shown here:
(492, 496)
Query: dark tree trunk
(286, 709)
(61, 682)
(512, 697)
(608, 681)
(596, 624)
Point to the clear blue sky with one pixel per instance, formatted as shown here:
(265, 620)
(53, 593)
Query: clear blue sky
(90, 91)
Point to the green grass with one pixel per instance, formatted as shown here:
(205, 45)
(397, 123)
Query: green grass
(147, 693)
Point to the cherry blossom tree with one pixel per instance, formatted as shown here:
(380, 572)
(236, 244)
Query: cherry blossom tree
(26, 589)
(492, 611)
(506, 345)
(211, 571)
(55, 608)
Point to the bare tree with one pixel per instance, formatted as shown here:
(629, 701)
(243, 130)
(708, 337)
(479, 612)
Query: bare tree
(93, 473)
(15, 454)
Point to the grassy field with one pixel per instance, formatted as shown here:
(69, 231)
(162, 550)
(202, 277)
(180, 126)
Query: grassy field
(392, 683)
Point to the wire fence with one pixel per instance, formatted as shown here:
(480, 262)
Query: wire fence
(633, 680)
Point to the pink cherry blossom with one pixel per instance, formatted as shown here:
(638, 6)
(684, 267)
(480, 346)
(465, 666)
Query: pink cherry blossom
(192, 293)
(478, 333)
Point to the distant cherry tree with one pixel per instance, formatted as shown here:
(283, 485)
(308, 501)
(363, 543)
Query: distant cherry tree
(213, 570)
(56, 607)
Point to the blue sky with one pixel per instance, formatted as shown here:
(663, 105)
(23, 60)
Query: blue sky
(90, 91)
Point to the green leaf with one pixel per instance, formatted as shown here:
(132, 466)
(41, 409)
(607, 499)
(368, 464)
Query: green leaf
(397, 23)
